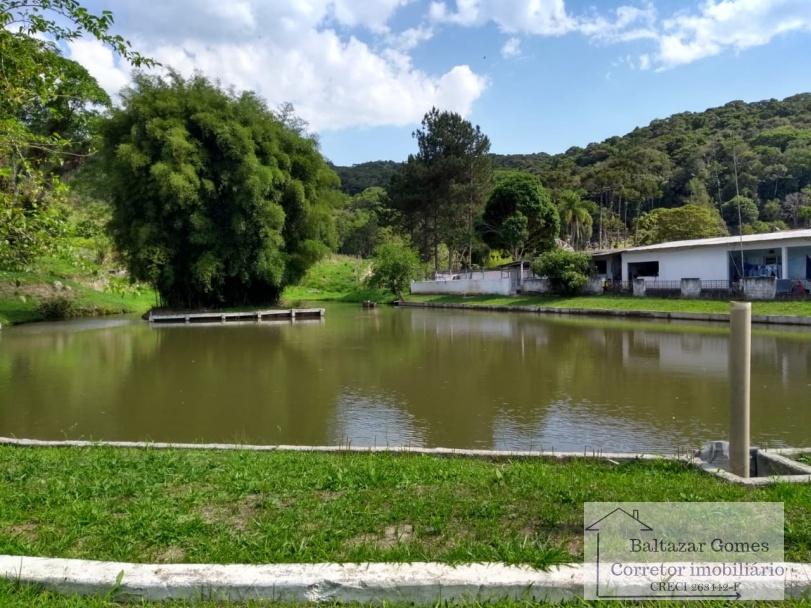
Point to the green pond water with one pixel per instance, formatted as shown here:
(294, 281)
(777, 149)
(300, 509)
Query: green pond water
(400, 377)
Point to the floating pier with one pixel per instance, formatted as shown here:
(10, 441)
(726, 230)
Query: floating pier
(274, 314)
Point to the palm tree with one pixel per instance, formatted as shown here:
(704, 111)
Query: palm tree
(575, 215)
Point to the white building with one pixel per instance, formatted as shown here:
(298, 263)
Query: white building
(783, 255)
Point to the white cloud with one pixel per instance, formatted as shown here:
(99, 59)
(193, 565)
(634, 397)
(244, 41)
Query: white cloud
(624, 24)
(410, 38)
(373, 14)
(511, 48)
(722, 25)
(293, 51)
(541, 17)
(707, 28)
(101, 63)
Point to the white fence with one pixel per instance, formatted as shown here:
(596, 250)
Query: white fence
(494, 286)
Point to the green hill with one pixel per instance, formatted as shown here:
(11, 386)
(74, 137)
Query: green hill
(760, 150)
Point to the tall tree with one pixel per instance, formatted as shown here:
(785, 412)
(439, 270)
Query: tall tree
(215, 200)
(575, 216)
(441, 189)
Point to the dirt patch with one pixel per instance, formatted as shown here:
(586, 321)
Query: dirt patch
(391, 537)
(27, 531)
(401, 533)
(171, 555)
(328, 495)
(237, 515)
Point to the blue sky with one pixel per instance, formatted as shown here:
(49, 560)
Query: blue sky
(537, 75)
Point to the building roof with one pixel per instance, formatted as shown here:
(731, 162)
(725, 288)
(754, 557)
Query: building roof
(596, 253)
(727, 240)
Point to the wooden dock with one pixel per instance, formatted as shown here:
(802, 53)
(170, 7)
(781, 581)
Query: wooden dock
(257, 316)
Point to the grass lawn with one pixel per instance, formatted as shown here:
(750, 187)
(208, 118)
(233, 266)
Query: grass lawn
(804, 458)
(92, 289)
(337, 278)
(790, 308)
(247, 507)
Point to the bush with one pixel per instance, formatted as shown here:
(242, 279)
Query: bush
(215, 201)
(395, 264)
(58, 308)
(567, 271)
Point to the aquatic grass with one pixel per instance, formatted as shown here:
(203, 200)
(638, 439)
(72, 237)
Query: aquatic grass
(246, 507)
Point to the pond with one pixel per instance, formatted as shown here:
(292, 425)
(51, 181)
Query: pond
(400, 377)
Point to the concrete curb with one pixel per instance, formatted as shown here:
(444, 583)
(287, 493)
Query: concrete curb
(420, 583)
(638, 314)
(343, 449)
(615, 457)
(369, 582)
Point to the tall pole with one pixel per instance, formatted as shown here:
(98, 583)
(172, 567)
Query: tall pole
(740, 354)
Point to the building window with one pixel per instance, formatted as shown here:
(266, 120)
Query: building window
(643, 269)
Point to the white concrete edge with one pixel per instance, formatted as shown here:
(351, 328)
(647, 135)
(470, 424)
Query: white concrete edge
(606, 312)
(787, 451)
(616, 456)
(748, 481)
(419, 582)
(365, 582)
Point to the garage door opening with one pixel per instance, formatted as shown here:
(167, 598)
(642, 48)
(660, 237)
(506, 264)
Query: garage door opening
(643, 269)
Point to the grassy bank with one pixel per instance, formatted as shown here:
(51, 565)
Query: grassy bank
(247, 507)
(338, 278)
(69, 285)
(605, 302)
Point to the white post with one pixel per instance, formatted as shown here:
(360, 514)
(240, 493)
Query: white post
(740, 350)
(521, 276)
(784, 263)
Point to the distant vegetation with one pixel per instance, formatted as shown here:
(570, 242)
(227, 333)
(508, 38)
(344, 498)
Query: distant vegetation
(757, 155)
(357, 178)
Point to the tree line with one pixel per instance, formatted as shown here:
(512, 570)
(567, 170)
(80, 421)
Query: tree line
(216, 199)
(742, 167)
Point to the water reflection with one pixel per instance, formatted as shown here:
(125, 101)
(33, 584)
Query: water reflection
(399, 377)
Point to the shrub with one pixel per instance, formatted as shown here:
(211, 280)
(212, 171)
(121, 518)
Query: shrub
(519, 217)
(567, 271)
(395, 264)
(58, 308)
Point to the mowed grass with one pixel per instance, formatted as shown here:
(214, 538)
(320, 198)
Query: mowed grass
(22, 596)
(273, 507)
(609, 302)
